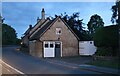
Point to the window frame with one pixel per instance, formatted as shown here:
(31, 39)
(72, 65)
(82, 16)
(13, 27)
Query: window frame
(47, 45)
(58, 30)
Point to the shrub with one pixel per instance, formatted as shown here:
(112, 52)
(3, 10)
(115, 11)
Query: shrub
(104, 51)
(106, 39)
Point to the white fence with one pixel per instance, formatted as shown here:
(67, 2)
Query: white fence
(86, 48)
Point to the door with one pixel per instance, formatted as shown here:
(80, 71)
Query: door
(49, 49)
(57, 49)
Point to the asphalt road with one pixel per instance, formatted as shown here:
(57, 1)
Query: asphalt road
(28, 64)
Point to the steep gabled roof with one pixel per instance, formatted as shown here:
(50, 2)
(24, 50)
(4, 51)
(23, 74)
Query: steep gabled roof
(41, 31)
(27, 31)
(70, 29)
(38, 27)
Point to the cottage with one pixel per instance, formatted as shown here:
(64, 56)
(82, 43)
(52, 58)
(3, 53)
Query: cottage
(51, 38)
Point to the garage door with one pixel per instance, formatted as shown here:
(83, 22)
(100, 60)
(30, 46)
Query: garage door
(49, 49)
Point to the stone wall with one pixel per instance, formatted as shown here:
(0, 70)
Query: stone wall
(36, 48)
(70, 45)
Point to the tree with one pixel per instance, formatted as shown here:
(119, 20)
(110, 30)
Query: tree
(95, 22)
(73, 21)
(76, 25)
(114, 18)
(8, 35)
(106, 39)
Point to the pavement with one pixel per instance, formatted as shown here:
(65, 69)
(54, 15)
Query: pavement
(7, 69)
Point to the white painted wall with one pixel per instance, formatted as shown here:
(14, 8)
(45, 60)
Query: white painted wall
(86, 48)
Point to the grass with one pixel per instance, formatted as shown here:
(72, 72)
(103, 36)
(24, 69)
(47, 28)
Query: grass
(106, 63)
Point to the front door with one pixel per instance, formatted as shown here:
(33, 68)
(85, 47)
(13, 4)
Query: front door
(57, 49)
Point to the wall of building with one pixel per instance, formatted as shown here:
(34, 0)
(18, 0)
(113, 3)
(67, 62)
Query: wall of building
(36, 48)
(25, 40)
(86, 48)
(70, 43)
(32, 48)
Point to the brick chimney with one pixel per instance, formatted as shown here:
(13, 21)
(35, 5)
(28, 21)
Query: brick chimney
(30, 27)
(43, 14)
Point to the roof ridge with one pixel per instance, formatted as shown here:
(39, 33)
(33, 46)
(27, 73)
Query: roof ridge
(42, 30)
(37, 27)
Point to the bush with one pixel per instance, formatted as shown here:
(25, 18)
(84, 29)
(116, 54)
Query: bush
(106, 39)
(104, 51)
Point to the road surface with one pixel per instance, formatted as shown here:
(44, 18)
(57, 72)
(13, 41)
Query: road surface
(28, 64)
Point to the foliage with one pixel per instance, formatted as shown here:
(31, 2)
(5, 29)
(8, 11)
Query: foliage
(114, 18)
(107, 37)
(8, 35)
(18, 41)
(95, 22)
(76, 25)
(104, 51)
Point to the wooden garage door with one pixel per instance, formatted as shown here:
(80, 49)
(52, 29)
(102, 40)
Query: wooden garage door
(49, 49)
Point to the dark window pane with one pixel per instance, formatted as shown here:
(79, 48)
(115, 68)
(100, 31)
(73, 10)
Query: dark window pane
(51, 45)
(46, 45)
(57, 45)
(59, 31)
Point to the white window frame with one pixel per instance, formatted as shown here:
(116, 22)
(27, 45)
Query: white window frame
(57, 31)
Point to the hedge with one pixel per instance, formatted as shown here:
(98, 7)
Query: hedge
(107, 37)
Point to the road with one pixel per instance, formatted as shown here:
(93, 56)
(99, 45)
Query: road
(28, 64)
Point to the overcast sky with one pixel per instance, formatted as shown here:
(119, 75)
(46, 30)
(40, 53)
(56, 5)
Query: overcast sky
(20, 15)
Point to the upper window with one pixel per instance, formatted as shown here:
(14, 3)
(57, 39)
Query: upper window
(58, 31)
(51, 45)
(46, 45)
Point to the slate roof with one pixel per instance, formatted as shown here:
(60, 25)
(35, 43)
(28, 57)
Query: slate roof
(38, 27)
(39, 33)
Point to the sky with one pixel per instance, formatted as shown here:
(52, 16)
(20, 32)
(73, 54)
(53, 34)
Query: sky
(20, 15)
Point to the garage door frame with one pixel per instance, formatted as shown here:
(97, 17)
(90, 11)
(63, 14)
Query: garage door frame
(47, 50)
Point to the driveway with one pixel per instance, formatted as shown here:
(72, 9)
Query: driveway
(75, 59)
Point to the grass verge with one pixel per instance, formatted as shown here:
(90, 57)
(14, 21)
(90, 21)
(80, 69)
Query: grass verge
(106, 63)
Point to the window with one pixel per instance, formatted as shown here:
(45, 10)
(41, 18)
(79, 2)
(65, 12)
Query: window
(58, 31)
(51, 45)
(46, 45)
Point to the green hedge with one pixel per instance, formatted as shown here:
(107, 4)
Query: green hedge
(104, 51)
(107, 37)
